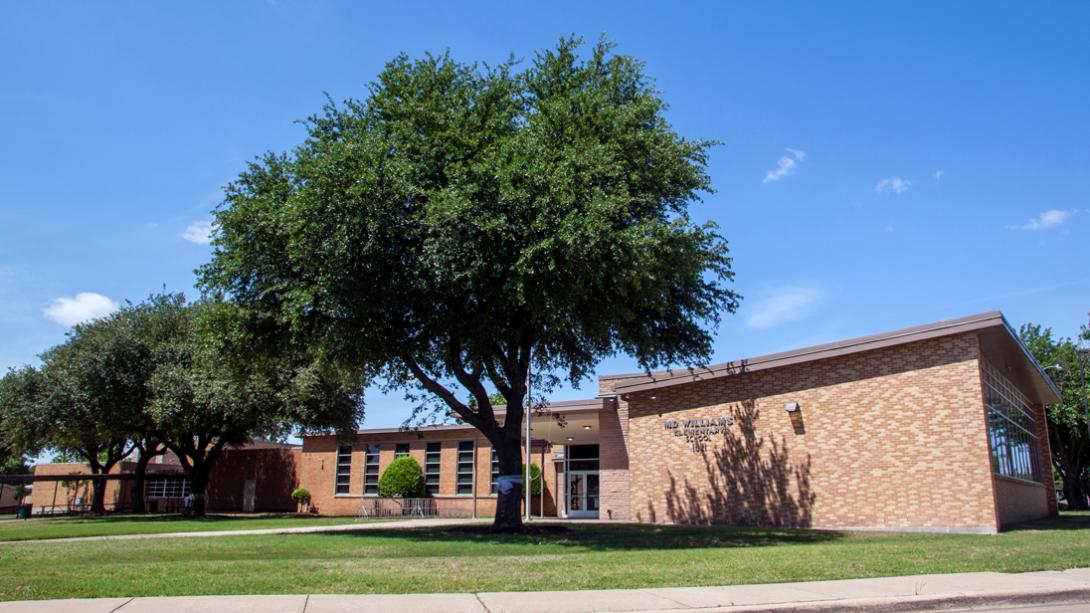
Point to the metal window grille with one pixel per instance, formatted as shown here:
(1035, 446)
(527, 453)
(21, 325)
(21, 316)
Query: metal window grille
(370, 470)
(432, 462)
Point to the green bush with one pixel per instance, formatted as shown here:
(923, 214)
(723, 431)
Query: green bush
(300, 495)
(403, 478)
(535, 479)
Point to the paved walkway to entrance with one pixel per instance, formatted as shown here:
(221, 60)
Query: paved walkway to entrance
(346, 527)
(918, 592)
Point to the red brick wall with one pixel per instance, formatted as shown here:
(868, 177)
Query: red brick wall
(892, 438)
(318, 460)
(274, 472)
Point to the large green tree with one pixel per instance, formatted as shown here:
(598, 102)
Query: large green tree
(219, 383)
(22, 432)
(1069, 420)
(93, 395)
(464, 225)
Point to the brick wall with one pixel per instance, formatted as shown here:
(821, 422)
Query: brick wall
(1019, 501)
(273, 471)
(891, 438)
(318, 460)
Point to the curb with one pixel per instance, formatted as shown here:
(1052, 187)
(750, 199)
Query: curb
(926, 603)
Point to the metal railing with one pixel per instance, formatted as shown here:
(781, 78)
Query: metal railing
(398, 507)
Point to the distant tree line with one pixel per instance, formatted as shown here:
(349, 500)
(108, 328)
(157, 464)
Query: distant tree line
(191, 378)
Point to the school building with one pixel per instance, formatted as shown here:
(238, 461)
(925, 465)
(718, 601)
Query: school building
(938, 427)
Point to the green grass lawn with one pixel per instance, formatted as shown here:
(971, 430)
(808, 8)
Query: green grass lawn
(467, 559)
(64, 527)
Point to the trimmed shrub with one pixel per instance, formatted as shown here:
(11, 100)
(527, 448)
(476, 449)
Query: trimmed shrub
(403, 477)
(301, 495)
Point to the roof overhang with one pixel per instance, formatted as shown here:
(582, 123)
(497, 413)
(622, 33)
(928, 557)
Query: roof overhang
(999, 343)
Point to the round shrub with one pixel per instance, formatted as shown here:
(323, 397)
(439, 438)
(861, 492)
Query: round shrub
(300, 495)
(403, 478)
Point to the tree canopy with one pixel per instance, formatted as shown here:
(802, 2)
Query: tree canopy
(464, 221)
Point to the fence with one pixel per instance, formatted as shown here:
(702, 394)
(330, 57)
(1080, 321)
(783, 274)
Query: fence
(70, 494)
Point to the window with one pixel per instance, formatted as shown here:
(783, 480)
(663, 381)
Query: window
(582, 457)
(370, 471)
(432, 457)
(465, 468)
(495, 470)
(344, 469)
(168, 488)
(1012, 428)
(401, 450)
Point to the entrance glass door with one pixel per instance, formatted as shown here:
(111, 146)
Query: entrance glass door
(583, 494)
(581, 479)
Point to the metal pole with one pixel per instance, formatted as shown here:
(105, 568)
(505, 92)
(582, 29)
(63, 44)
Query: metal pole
(529, 409)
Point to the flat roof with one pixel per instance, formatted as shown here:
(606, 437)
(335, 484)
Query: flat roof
(552, 406)
(992, 321)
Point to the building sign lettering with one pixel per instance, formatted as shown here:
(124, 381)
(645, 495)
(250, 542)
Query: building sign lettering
(698, 432)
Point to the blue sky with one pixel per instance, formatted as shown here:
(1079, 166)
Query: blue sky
(886, 164)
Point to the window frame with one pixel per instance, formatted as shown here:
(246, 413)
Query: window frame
(433, 469)
(470, 448)
(372, 458)
(1013, 443)
(343, 461)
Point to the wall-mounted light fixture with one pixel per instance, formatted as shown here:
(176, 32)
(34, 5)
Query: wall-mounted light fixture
(791, 407)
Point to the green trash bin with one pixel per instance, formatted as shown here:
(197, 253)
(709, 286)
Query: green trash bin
(22, 511)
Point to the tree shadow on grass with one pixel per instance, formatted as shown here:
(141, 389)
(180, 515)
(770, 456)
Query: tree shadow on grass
(613, 537)
(1064, 522)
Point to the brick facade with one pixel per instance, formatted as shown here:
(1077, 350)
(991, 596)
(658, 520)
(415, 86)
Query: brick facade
(318, 461)
(893, 438)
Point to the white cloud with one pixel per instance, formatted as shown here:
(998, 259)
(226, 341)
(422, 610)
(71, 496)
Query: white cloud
(84, 306)
(786, 165)
(1053, 218)
(786, 304)
(897, 184)
(938, 175)
(199, 232)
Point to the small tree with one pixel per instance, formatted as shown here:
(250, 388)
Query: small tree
(402, 478)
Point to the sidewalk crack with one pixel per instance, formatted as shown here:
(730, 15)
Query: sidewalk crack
(306, 602)
(483, 605)
(118, 607)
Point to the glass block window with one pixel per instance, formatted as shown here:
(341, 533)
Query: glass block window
(168, 488)
(401, 450)
(432, 456)
(344, 469)
(370, 470)
(465, 467)
(1012, 428)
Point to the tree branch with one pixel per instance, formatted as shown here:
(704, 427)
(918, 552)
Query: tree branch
(443, 393)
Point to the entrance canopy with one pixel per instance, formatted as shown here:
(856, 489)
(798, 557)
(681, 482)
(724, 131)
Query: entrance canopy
(573, 422)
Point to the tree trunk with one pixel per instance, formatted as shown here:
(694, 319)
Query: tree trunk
(139, 477)
(98, 496)
(198, 483)
(508, 502)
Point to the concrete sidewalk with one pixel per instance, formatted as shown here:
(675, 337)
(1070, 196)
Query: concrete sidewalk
(433, 522)
(919, 592)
